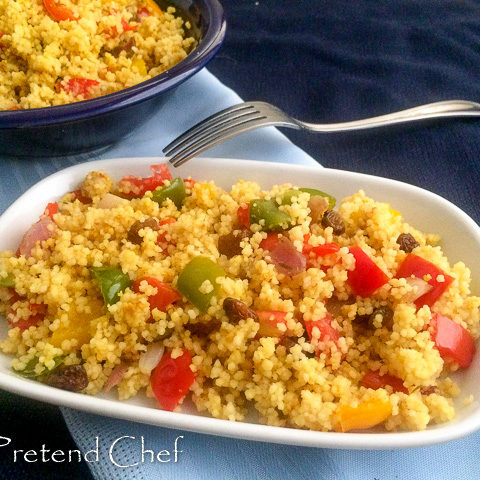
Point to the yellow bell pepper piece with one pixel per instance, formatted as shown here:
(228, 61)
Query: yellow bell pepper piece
(139, 64)
(365, 415)
(79, 327)
(153, 8)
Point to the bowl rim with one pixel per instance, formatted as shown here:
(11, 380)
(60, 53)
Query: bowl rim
(71, 112)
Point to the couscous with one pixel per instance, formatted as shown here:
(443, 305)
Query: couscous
(315, 315)
(52, 53)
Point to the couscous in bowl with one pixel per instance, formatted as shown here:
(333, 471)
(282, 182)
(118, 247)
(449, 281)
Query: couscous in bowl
(304, 177)
(98, 122)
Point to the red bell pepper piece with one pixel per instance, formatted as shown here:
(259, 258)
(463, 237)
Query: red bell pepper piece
(324, 325)
(419, 267)
(244, 216)
(165, 296)
(57, 11)
(367, 276)
(147, 184)
(127, 27)
(270, 242)
(374, 380)
(81, 197)
(79, 86)
(171, 379)
(269, 319)
(452, 340)
(319, 250)
(51, 209)
(38, 314)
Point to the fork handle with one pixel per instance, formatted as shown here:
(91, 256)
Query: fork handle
(448, 108)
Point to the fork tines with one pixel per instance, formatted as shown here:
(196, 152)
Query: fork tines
(213, 130)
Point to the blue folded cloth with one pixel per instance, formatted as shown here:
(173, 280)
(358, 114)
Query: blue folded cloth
(208, 457)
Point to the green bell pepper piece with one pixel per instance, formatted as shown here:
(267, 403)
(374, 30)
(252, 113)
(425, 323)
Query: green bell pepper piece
(195, 273)
(112, 282)
(8, 281)
(267, 210)
(175, 192)
(289, 194)
(29, 370)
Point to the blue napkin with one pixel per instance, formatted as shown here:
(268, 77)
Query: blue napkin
(208, 457)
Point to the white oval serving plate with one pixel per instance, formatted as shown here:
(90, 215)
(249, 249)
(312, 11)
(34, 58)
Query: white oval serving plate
(424, 210)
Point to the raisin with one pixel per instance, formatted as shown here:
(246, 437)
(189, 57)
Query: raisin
(387, 316)
(202, 329)
(229, 245)
(133, 235)
(237, 310)
(331, 218)
(407, 242)
(428, 390)
(70, 377)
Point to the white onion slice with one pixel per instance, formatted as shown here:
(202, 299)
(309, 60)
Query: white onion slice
(150, 359)
(109, 200)
(421, 288)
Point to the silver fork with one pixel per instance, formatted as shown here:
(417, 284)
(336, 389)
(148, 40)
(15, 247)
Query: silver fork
(248, 116)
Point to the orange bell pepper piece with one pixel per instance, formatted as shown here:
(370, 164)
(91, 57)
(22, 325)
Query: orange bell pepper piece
(365, 415)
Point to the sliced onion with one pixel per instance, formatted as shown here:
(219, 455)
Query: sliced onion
(38, 232)
(116, 376)
(318, 205)
(150, 359)
(422, 287)
(109, 200)
(287, 259)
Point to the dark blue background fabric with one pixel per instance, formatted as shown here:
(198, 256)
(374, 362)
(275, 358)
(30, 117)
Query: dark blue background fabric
(332, 61)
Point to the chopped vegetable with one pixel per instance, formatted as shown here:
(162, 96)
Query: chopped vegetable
(51, 209)
(115, 377)
(8, 281)
(198, 281)
(243, 215)
(270, 242)
(175, 192)
(421, 288)
(365, 415)
(319, 250)
(112, 282)
(171, 379)
(150, 359)
(38, 232)
(287, 259)
(367, 276)
(79, 86)
(165, 296)
(58, 12)
(416, 266)
(36, 317)
(269, 321)
(267, 214)
(454, 342)
(127, 27)
(374, 380)
(131, 186)
(289, 194)
(327, 333)
(109, 200)
(29, 371)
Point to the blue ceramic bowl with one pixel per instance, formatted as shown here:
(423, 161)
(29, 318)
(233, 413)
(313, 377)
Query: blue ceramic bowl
(96, 123)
